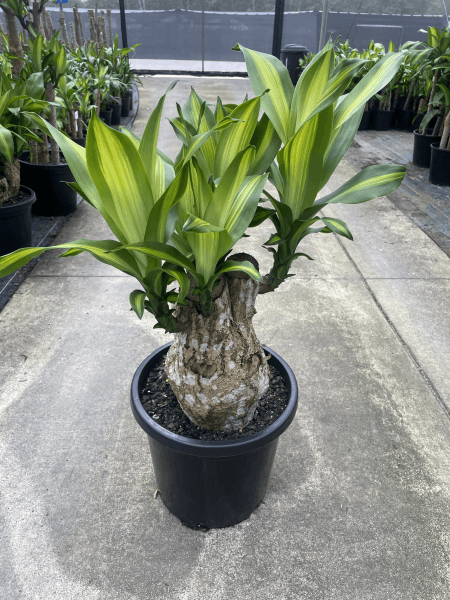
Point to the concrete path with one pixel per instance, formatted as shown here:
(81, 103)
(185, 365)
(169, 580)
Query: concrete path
(358, 502)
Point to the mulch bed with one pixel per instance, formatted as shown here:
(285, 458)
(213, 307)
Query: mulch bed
(160, 403)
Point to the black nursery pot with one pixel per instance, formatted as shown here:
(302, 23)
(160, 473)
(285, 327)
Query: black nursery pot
(439, 165)
(106, 115)
(212, 484)
(54, 197)
(416, 120)
(422, 148)
(15, 223)
(366, 120)
(404, 118)
(382, 119)
(116, 110)
(129, 95)
(125, 110)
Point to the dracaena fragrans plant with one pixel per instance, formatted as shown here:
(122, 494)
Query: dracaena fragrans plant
(177, 222)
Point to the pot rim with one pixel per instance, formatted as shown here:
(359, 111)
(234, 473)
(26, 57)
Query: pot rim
(15, 209)
(416, 132)
(435, 146)
(215, 448)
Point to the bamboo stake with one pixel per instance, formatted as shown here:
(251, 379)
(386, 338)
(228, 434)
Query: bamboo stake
(92, 31)
(445, 139)
(103, 27)
(63, 26)
(408, 97)
(15, 47)
(80, 26)
(79, 122)
(50, 97)
(72, 35)
(73, 130)
(438, 124)
(110, 32)
(97, 101)
(441, 130)
(50, 27)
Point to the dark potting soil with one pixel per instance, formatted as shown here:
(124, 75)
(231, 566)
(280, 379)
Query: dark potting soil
(160, 403)
(21, 197)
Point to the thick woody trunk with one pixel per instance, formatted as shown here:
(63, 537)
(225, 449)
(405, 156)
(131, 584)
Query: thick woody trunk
(50, 97)
(446, 133)
(15, 47)
(408, 97)
(10, 183)
(216, 365)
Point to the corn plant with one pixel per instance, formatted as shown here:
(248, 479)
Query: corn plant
(18, 100)
(176, 222)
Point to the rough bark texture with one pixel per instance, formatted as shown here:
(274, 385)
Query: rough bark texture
(408, 97)
(50, 97)
(15, 47)
(110, 32)
(216, 365)
(10, 183)
(446, 133)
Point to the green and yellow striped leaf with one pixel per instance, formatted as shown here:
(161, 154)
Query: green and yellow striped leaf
(233, 140)
(99, 249)
(370, 84)
(244, 206)
(338, 227)
(267, 143)
(244, 266)
(371, 182)
(6, 144)
(75, 155)
(267, 72)
(161, 252)
(309, 90)
(229, 185)
(301, 161)
(137, 300)
(339, 143)
(118, 173)
(157, 229)
(208, 249)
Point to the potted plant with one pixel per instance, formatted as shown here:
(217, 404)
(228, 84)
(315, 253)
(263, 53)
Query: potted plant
(16, 200)
(434, 59)
(440, 151)
(176, 223)
(43, 166)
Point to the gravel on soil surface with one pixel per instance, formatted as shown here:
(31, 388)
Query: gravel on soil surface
(21, 197)
(160, 403)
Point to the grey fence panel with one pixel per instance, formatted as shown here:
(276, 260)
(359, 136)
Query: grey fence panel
(301, 28)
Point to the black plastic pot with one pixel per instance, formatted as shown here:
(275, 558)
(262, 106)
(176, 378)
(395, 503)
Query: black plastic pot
(106, 115)
(439, 165)
(382, 119)
(129, 95)
(125, 110)
(404, 118)
(116, 110)
(422, 148)
(53, 196)
(366, 120)
(15, 223)
(212, 483)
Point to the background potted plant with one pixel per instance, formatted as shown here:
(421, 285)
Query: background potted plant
(184, 220)
(17, 102)
(434, 59)
(440, 151)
